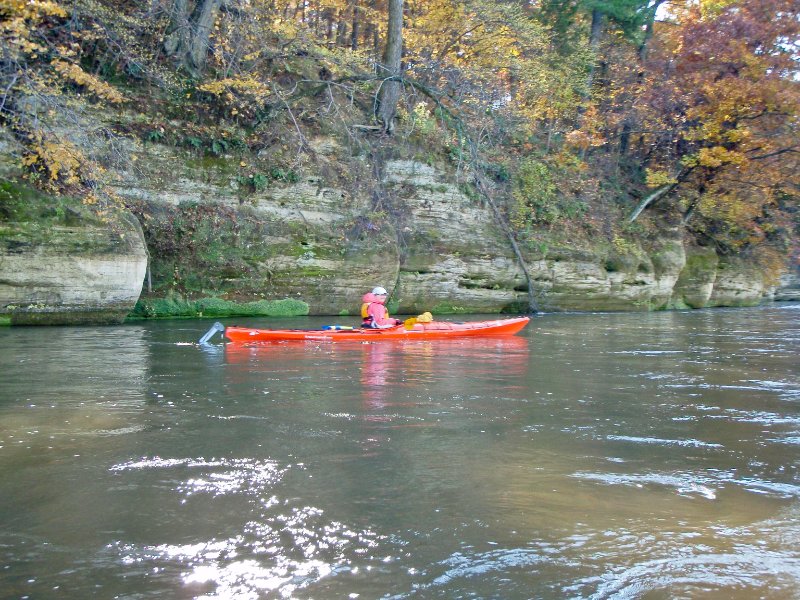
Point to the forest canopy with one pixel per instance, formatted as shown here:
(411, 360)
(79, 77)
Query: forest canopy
(588, 114)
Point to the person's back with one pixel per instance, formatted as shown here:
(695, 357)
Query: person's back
(373, 310)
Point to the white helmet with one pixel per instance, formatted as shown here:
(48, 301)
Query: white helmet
(379, 291)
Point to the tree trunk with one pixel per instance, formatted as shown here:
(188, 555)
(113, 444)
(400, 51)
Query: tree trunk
(177, 38)
(203, 21)
(661, 192)
(648, 200)
(341, 31)
(329, 26)
(625, 137)
(372, 31)
(485, 192)
(594, 44)
(389, 93)
(354, 29)
(648, 30)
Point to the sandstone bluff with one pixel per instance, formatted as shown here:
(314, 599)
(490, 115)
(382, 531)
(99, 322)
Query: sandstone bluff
(316, 240)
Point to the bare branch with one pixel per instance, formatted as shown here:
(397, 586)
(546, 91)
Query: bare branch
(793, 149)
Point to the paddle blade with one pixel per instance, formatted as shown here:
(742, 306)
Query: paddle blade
(210, 333)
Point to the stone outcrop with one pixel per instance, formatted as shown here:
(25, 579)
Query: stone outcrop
(318, 244)
(454, 256)
(738, 284)
(788, 289)
(457, 258)
(696, 281)
(412, 228)
(81, 274)
(64, 264)
(441, 250)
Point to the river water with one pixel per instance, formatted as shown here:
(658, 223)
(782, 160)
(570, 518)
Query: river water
(593, 456)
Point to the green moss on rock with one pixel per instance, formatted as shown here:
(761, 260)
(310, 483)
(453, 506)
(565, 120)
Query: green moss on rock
(20, 203)
(174, 306)
(29, 218)
(443, 308)
(75, 316)
(696, 280)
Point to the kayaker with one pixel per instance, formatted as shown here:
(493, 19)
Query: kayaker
(373, 311)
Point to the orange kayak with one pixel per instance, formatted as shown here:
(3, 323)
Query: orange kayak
(435, 330)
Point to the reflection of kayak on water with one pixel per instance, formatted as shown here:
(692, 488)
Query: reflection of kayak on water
(419, 331)
(418, 357)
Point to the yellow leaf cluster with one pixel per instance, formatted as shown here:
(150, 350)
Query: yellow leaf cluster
(32, 10)
(716, 156)
(245, 86)
(18, 18)
(20, 31)
(709, 8)
(58, 159)
(74, 74)
(241, 95)
(583, 140)
(657, 178)
(738, 213)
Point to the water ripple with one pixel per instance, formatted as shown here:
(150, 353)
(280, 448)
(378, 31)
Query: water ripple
(689, 484)
(685, 484)
(663, 442)
(749, 567)
(758, 417)
(285, 549)
(282, 554)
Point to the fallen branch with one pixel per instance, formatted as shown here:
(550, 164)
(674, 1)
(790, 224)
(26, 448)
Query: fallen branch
(648, 200)
(660, 193)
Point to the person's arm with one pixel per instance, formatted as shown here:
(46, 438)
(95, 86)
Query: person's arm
(379, 316)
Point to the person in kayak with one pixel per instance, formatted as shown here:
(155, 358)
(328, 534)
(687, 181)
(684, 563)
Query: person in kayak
(373, 311)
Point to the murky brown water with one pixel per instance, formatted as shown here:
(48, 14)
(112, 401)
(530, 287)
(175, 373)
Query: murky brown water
(593, 456)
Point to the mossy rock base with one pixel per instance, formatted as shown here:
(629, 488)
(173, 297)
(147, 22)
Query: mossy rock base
(519, 307)
(63, 262)
(175, 306)
(64, 317)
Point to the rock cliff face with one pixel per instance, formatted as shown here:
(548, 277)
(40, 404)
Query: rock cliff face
(81, 274)
(438, 246)
(789, 288)
(453, 257)
(456, 258)
(314, 241)
(61, 263)
(317, 238)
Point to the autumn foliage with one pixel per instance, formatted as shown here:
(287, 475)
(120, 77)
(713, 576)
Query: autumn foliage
(725, 85)
(592, 115)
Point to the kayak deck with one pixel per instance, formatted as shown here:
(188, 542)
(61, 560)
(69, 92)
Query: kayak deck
(420, 331)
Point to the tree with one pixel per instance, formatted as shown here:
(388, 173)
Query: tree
(389, 69)
(190, 32)
(564, 17)
(38, 67)
(724, 88)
